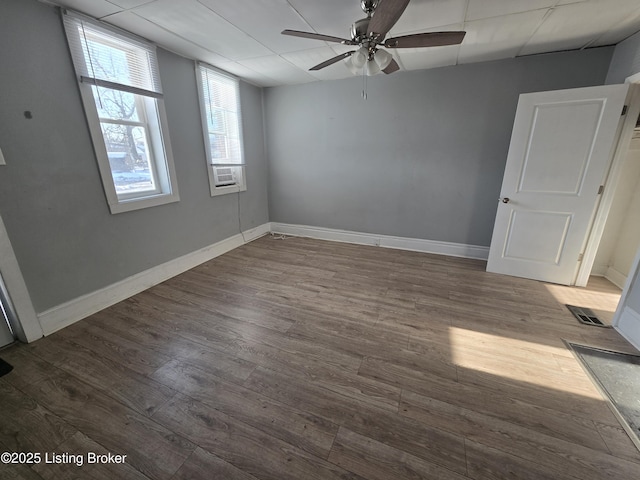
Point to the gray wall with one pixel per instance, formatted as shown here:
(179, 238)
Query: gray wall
(423, 157)
(51, 197)
(625, 61)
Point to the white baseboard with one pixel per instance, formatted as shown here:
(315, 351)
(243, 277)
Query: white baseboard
(257, 232)
(615, 277)
(599, 270)
(386, 241)
(74, 310)
(629, 326)
(70, 312)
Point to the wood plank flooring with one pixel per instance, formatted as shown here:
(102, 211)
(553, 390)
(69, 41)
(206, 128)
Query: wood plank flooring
(302, 359)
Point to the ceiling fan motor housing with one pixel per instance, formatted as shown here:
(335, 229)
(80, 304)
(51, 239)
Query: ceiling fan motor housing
(359, 29)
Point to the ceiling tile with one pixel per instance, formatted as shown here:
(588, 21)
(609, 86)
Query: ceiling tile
(306, 59)
(623, 30)
(133, 23)
(576, 25)
(421, 15)
(193, 21)
(263, 20)
(479, 9)
(247, 74)
(278, 69)
(96, 8)
(418, 59)
(330, 17)
(498, 37)
(126, 4)
(334, 72)
(486, 53)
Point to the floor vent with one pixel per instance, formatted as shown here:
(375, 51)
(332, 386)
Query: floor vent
(586, 316)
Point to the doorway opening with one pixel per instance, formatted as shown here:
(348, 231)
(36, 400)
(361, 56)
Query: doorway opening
(621, 238)
(615, 258)
(7, 317)
(599, 296)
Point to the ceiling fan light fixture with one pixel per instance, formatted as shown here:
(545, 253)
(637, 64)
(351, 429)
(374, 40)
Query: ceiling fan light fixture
(352, 68)
(356, 62)
(382, 58)
(372, 68)
(359, 58)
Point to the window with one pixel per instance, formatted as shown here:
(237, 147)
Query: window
(222, 125)
(122, 95)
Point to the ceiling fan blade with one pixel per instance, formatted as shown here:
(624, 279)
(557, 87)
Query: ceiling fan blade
(317, 36)
(331, 61)
(385, 16)
(435, 39)
(392, 67)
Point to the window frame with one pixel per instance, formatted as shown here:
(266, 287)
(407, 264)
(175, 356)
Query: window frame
(151, 108)
(239, 169)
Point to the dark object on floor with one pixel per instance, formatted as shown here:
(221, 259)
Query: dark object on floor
(586, 316)
(4, 368)
(618, 377)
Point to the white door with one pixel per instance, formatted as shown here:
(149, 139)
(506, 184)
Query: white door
(561, 147)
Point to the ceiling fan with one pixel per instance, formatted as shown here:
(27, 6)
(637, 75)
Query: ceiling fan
(369, 34)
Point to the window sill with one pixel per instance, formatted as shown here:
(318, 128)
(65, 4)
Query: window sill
(143, 202)
(215, 191)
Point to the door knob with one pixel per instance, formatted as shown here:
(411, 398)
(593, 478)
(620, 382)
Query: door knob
(505, 199)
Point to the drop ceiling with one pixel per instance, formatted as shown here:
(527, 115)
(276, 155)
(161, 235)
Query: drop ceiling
(243, 36)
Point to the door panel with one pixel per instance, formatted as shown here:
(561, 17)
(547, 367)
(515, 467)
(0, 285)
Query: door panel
(560, 150)
(579, 127)
(536, 236)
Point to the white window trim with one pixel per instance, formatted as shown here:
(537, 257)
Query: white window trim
(241, 184)
(169, 182)
(117, 204)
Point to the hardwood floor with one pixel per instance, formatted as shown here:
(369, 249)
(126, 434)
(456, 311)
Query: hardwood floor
(302, 359)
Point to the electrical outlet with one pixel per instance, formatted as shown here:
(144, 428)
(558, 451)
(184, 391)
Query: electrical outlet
(2, 162)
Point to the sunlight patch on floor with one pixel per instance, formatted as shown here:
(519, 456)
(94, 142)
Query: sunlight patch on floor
(510, 358)
(599, 295)
(604, 301)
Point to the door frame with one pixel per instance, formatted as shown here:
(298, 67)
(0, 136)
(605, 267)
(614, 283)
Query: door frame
(27, 326)
(635, 268)
(619, 153)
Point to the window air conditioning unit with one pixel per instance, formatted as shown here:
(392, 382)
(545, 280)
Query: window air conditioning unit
(224, 176)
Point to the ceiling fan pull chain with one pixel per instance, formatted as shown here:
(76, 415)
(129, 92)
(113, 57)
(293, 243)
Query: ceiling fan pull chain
(364, 83)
